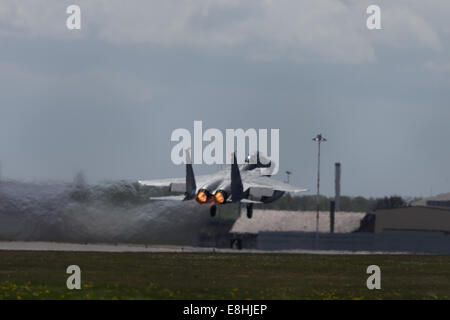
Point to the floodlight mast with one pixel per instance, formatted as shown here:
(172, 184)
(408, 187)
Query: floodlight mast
(288, 173)
(319, 138)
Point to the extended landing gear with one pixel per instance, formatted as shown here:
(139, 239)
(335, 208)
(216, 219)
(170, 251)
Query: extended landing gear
(236, 244)
(213, 210)
(249, 210)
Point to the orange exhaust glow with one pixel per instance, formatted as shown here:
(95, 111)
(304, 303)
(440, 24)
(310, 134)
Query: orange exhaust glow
(202, 197)
(219, 197)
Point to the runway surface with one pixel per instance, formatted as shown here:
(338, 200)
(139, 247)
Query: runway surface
(76, 247)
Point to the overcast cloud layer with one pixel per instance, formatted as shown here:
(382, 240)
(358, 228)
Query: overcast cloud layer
(106, 99)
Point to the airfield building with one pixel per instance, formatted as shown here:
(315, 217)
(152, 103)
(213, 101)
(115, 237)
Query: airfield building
(441, 201)
(417, 228)
(413, 220)
(286, 230)
(426, 216)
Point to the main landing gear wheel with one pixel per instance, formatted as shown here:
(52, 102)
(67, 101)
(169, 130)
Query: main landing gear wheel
(236, 244)
(213, 210)
(250, 211)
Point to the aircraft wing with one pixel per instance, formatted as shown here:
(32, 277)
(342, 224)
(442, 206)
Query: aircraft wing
(269, 183)
(176, 183)
(162, 182)
(169, 198)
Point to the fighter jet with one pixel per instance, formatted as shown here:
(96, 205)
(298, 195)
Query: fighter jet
(249, 183)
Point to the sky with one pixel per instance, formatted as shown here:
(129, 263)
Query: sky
(105, 99)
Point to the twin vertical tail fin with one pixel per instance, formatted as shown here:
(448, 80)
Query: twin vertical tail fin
(191, 187)
(237, 189)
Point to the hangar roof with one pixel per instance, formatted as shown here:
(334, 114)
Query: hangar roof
(277, 220)
(440, 201)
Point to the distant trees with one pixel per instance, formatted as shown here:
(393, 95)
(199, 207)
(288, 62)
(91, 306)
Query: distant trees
(353, 204)
(132, 193)
(390, 203)
(303, 203)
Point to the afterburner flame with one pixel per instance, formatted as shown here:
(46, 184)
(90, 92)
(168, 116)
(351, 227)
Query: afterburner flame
(219, 196)
(202, 197)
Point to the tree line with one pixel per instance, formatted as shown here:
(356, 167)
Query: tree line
(354, 204)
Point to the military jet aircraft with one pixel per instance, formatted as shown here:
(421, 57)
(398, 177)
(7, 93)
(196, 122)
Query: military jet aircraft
(249, 184)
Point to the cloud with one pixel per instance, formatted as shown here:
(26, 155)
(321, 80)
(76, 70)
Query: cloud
(321, 30)
(301, 66)
(406, 27)
(32, 18)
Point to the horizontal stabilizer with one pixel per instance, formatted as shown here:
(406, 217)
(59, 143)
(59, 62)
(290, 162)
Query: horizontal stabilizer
(168, 198)
(250, 201)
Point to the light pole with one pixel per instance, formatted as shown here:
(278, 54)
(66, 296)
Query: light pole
(288, 173)
(319, 138)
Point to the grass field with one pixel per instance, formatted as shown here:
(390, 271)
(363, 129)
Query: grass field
(41, 275)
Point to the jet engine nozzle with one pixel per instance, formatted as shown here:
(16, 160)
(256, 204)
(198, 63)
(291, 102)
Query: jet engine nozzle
(202, 196)
(220, 196)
